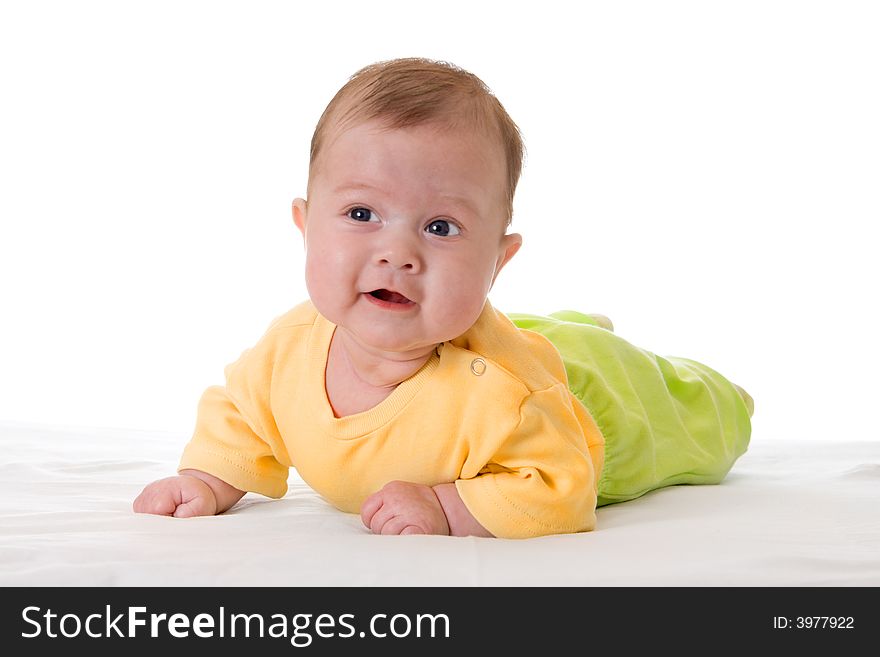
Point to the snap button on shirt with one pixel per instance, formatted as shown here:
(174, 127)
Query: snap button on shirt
(478, 366)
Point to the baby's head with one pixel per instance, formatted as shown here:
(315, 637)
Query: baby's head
(413, 169)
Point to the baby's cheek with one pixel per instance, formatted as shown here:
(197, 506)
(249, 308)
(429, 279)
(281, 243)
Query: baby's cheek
(460, 313)
(326, 268)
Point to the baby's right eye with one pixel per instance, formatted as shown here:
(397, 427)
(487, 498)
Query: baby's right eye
(360, 214)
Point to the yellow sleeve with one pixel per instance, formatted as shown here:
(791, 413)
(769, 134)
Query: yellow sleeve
(540, 480)
(236, 438)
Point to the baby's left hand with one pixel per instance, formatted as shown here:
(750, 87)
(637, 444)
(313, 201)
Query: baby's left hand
(401, 507)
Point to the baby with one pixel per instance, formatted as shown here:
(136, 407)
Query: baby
(397, 391)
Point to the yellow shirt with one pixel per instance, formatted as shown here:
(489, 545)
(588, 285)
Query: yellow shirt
(490, 411)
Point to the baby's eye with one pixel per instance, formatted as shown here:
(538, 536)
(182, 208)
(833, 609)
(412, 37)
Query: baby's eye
(442, 228)
(360, 214)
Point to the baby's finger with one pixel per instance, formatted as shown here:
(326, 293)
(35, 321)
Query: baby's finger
(398, 525)
(412, 529)
(139, 506)
(194, 507)
(372, 504)
(380, 518)
(150, 502)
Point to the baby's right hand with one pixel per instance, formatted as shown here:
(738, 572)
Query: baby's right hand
(182, 496)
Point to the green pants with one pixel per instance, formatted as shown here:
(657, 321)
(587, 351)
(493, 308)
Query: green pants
(665, 420)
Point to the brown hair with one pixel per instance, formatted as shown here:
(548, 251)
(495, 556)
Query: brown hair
(415, 91)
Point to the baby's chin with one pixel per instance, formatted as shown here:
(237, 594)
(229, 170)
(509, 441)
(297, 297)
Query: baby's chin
(400, 334)
(419, 333)
(395, 345)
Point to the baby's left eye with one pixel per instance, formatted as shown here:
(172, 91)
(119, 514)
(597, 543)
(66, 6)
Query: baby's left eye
(360, 214)
(442, 228)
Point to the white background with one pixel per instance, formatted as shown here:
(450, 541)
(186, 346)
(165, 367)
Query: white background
(705, 173)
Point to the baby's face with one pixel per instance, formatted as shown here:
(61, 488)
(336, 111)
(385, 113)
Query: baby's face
(405, 233)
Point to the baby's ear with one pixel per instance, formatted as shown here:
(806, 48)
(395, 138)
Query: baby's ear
(299, 214)
(509, 246)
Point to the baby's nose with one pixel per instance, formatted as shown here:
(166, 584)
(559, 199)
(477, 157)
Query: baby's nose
(400, 252)
(398, 259)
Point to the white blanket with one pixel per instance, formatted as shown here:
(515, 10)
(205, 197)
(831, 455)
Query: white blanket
(789, 513)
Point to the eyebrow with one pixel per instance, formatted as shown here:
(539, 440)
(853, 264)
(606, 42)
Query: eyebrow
(356, 186)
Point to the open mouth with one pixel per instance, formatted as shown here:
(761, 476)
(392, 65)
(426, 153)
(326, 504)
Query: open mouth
(389, 296)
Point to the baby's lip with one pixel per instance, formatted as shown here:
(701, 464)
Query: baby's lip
(390, 296)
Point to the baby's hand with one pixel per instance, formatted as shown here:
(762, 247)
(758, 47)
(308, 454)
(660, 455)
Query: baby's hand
(401, 507)
(182, 497)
